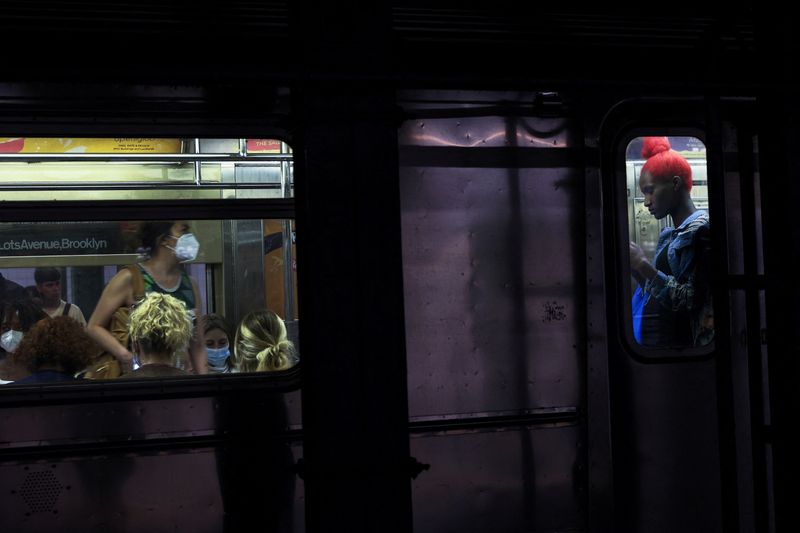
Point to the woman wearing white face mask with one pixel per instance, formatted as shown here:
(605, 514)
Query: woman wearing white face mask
(17, 317)
(167, 245)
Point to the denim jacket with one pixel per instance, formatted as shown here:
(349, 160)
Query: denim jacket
(679, 291)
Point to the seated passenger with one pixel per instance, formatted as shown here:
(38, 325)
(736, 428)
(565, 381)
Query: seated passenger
(54, 349)
(160, 327)
(218, 333)
(261, 344)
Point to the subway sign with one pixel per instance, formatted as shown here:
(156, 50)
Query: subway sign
(66, 238)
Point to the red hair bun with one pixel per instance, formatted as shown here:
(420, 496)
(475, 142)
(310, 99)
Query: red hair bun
(663, 163)
(655, 145)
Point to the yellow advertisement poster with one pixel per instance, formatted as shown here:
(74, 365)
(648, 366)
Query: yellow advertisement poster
(119, 145)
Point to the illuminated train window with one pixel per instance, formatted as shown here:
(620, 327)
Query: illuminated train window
(670, 244)
(153, 297)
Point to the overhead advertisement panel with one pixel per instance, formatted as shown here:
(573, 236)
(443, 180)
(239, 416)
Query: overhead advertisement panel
(120, 145)
(263, 146)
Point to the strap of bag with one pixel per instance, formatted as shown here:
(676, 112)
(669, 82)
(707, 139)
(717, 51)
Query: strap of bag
(66, 309)
(138, 282)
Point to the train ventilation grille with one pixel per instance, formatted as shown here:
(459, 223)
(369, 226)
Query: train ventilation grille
(40, 490)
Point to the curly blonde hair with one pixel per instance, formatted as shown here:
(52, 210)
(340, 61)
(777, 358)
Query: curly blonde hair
(261, 344)
(160, 324)
(59, 342)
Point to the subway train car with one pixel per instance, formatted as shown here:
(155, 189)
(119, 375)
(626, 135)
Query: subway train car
(449, 205)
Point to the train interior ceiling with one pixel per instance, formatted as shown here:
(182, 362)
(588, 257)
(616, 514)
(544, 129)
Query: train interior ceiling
(464, 240)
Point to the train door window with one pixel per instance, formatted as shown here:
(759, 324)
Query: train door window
(206, 223)
(669, 246)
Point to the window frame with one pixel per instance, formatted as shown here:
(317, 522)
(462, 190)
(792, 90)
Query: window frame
(149, 388)
(647, 354)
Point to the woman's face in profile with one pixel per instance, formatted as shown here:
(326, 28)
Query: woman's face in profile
(659, 194)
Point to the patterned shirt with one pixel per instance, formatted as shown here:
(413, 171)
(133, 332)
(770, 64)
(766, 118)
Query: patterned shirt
(183, 291)
(688, 288)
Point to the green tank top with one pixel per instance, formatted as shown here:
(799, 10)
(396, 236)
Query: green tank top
(182, 292)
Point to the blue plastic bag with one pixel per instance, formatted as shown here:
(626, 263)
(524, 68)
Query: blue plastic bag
(638, 303)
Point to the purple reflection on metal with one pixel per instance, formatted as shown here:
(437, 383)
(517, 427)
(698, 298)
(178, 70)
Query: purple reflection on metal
(478, 282)
(494, 318)
(485, 132)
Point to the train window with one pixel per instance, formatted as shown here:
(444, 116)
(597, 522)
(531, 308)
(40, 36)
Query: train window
(70, 246)
(669, 251)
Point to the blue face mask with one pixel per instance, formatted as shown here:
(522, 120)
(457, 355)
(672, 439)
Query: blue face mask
(217, 356)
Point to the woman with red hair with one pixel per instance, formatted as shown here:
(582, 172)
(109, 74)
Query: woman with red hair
(675, 288)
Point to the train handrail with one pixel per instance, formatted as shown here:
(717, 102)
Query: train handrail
(136, 185)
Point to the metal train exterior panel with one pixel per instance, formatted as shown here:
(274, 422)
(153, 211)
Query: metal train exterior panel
(453, 236)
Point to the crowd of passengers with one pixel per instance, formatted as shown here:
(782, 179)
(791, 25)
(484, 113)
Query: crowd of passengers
(45, 339)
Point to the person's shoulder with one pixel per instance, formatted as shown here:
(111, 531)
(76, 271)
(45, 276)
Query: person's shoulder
(75, 311)
(125, 275)
(699, 221)
(703, 232)
(701, 226)
(703, 221)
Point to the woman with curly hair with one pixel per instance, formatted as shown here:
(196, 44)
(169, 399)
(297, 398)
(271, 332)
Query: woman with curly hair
(54, 349)
(261, 344)
(160, 327)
